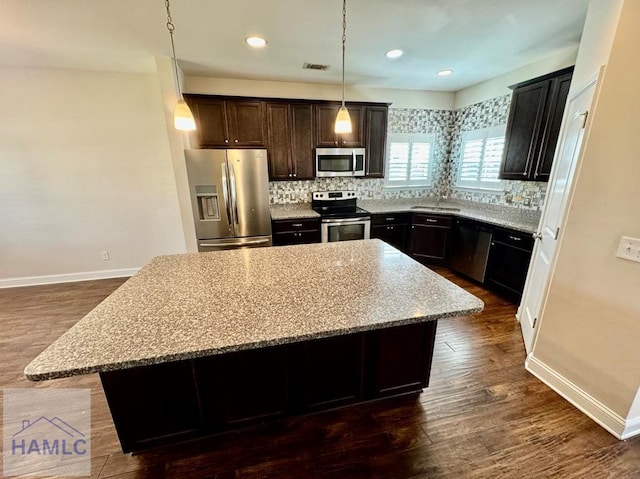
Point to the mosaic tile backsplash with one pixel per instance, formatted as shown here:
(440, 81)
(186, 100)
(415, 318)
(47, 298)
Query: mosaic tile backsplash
(494, 112)
(447, 127)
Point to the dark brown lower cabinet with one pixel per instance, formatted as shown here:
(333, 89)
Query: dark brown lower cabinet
(403, 359)
(243, 387)
(299, 231)
(326, 373)
(429, 238)
(172, 402)
(153, 405)
(391, 228)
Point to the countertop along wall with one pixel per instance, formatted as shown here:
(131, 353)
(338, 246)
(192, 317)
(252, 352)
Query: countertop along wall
(84, 167)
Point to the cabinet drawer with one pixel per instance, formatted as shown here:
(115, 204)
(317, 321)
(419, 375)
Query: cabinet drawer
(390, 218)
(513, 238)
(296, 237)
(301, 224)
(432, 220)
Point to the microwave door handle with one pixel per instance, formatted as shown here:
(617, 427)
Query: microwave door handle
(353, 155)
(225, 192)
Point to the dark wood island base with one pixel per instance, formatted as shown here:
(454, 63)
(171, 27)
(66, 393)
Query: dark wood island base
(172, 402)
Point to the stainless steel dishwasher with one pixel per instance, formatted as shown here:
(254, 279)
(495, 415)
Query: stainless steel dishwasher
(469, 248)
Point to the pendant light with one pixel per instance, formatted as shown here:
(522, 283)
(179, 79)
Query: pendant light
(182, 116)
(343, 120)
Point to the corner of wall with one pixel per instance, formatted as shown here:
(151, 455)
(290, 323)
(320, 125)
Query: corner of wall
(177, 142)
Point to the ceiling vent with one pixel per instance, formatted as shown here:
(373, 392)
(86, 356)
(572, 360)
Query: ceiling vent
(315, 66)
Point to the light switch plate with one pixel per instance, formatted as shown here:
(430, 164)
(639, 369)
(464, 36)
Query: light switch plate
(629, 249)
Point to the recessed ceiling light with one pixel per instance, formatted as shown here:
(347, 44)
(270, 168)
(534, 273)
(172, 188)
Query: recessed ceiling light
(394, 53)
(256, 42)
(445, 73)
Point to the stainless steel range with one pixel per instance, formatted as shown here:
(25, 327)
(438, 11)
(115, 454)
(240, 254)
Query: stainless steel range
(341, 218)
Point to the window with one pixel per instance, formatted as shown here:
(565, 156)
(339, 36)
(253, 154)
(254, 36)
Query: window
(409, 160)
(480, 158)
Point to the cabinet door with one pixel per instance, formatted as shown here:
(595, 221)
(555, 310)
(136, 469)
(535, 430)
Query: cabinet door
(212, 128)
(559, 94)
(302, 141)
(325, 124)
(395, 234)
(279, 141)
(153, 404)
(523, 129)
(325, 127)
(428, 243)
(247, 120)
(355, 139)
(508, 264)
(403, 358)
(326, 373)
(242, 388)
(376, 140)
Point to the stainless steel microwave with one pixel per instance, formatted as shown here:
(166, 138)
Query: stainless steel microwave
(340, 162)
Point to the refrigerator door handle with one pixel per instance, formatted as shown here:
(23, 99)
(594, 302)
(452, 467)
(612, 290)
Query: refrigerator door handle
(234, 198)
(225, 192)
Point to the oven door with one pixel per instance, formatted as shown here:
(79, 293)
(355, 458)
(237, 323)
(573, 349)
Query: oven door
(345, 229)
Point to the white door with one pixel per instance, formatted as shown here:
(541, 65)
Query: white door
(558, 192)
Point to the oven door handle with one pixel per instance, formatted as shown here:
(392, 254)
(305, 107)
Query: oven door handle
(347, 220)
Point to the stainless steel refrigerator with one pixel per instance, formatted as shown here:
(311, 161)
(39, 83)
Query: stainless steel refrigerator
(230, 198)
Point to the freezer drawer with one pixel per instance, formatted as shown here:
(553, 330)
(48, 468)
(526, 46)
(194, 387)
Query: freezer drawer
(233, 243)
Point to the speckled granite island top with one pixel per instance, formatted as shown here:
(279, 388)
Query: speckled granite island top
(193, 305)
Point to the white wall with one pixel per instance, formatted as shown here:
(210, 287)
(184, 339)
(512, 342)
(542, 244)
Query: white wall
(498, 86)
(84, 167)
(590, 327)
(318, 91)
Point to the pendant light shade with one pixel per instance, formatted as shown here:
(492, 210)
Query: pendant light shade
(343, 120)
(183, 118)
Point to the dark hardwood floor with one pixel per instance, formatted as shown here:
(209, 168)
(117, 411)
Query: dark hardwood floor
(483, 415)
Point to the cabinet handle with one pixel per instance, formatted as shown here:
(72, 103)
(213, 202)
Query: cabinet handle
(290, 175)
(335, 142)
(389, 219)
(429, 220)
(236, 141)
(390, 227)
(295, 174)
(297, 225)
(515, 238)
(226, 141)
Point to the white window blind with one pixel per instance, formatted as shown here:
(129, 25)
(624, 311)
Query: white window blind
(409, 160)
(480, 158)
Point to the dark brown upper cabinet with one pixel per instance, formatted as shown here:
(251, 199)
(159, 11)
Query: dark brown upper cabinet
(227, 123)
(376, 134)
(533, 127)
(326, 137)
(290, 140)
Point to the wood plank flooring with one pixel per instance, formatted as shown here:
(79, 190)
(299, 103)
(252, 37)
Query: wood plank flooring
(483, 415)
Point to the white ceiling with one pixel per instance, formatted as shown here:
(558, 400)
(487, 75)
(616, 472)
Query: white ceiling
(479, 39)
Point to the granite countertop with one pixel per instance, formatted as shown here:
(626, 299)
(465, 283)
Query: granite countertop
(193, 305)
(514, 218)
(518, 219)
(292, 211)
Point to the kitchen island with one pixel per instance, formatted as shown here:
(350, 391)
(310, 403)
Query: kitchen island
(199, 344)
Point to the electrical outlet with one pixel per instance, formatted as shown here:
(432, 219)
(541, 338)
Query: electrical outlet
(105, 255)
(629, 249)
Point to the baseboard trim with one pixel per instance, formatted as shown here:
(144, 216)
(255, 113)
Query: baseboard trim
(632, 428)
(608, 419)
(66, 278)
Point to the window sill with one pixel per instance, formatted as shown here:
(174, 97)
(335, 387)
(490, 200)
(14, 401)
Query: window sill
(495, 191)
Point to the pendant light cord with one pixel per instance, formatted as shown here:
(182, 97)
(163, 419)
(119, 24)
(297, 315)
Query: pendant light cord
(344, 42)
(171, 27)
